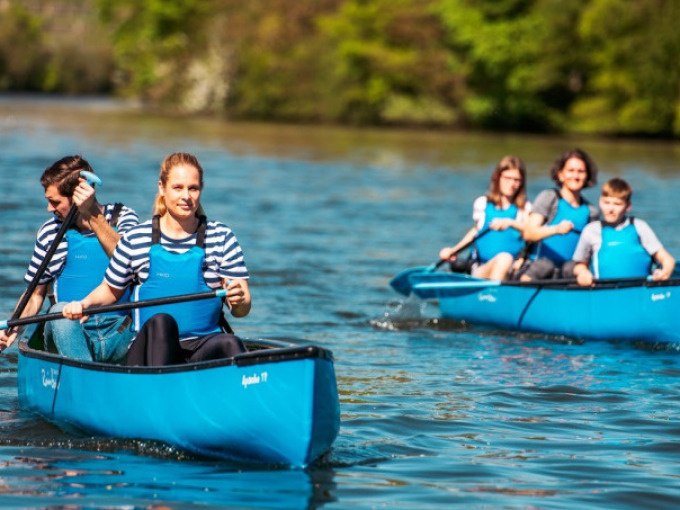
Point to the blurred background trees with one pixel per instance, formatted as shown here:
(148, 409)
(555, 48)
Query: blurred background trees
(594, 66)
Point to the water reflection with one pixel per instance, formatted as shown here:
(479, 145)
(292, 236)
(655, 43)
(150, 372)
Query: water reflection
(434, 412)
(32, 477)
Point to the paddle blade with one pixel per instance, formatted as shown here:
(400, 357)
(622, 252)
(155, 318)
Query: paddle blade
(90, 178)
(402, 282)
(426, 290)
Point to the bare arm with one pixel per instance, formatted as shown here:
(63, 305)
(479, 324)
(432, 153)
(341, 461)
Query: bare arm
(101, 295)
(506, 223)
(238, 296)
(448, 253)
(93, 217)
(583, 275)
(536, 230)
(108, 237)
(33, 306)
(667, 263)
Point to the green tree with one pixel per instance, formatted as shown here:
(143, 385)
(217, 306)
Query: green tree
(521, 60)
(386, 63)
(279, 60)
(21, 49)
(159, 45)
(635, 83)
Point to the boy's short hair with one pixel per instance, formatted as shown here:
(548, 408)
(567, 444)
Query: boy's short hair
(617, 188)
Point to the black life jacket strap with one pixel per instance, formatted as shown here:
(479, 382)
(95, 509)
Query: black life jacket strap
(200, 230)
(115, 213)
(156, 229)
(224, 324)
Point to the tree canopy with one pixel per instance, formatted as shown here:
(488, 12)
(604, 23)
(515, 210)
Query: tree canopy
(590, 66)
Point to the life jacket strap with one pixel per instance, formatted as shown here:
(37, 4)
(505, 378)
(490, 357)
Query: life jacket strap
(115, 213)
(200, 230)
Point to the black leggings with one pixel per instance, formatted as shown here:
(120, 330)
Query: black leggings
(157, 344)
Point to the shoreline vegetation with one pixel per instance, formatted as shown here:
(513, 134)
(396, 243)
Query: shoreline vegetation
(594, 67)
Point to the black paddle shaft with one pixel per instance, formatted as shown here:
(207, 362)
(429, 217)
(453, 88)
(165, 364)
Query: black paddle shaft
(441, 262)
(117, 307)
(68, 221)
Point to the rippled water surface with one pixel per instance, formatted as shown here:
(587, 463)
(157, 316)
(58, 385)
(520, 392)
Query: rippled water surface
(434, 414)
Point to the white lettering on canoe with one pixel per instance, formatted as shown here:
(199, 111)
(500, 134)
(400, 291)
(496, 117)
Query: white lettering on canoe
(487, 297)
(247, 380)
(661, 296)
(49, 378)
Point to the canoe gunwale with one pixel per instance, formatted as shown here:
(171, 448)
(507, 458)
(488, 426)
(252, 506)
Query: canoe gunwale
(570, 284)
(271, 352)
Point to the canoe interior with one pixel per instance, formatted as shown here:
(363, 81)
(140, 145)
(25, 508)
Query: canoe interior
(259, 350)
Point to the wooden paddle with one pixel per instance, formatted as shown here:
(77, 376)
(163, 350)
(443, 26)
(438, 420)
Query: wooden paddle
(117, 307)
(68, 221)
(401, 283)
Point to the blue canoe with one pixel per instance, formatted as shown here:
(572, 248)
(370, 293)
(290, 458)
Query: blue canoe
(617, 309)
(275, 404)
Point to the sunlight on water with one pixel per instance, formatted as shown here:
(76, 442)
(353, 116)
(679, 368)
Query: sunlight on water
(435, 413)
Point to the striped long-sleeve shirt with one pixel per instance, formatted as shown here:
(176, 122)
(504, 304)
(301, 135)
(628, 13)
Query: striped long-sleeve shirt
(223, 256)
(127, 218)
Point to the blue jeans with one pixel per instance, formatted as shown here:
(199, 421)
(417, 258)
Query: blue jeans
(103, 338)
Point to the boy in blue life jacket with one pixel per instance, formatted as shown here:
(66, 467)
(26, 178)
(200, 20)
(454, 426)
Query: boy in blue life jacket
(618, 245)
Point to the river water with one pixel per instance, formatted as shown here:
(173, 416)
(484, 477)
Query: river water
(433, 413)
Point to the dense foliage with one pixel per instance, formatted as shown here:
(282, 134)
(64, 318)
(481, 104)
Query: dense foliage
(53, 46)
(595, 66)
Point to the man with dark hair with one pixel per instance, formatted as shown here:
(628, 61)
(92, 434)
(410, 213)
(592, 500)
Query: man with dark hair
(77, 265)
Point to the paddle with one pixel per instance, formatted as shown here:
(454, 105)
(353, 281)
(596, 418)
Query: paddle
(94, 310)
(455, 287)
(68, 221)
(402, 284)
(428, 289)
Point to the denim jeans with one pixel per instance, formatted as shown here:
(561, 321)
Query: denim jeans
(103, 338)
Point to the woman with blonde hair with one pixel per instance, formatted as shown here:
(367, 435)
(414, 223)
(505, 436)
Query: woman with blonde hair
(498, 222)
(177, 252)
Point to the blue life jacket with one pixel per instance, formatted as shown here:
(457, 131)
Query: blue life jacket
(560, 248)
(498, 241)
(84, 267)
(621, 254)
(172, 274)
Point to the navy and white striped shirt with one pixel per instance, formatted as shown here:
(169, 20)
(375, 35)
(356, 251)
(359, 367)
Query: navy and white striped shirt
(127, 218)
(130, 261)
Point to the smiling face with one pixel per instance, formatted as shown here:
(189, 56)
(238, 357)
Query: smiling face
(181, 191)
(57, 203)
(573, 175)
(613, 209)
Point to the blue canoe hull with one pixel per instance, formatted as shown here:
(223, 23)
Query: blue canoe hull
(275, 405)
(621, 310)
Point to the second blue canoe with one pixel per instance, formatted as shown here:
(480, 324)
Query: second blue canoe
(622, 309)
